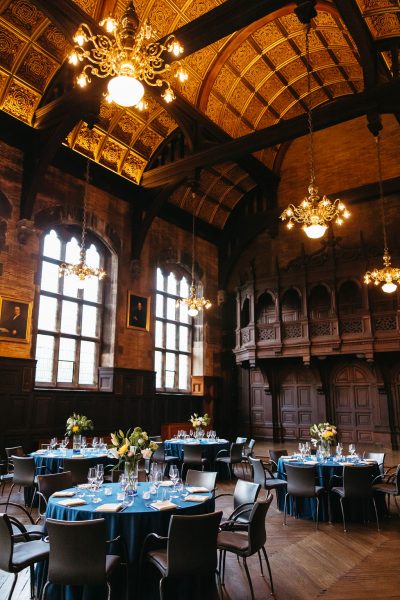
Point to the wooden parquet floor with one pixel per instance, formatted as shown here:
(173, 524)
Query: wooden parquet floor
(306, 564)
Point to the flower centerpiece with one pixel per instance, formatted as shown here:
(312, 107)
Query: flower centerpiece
(75, 425)
(323, 435)
(199, 423)
(128, 448)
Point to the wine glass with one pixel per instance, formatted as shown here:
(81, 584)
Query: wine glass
(99, 475)
(92, 478)
(339, 450)
(352, 449)
(157, 478)
(174, 476)
(95, 441)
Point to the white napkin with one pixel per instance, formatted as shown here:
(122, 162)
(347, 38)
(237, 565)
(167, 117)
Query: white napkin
(85, 486)
(194, 490)
(111, 507)
(72, 502)
(192, 498)
(311, 462)
(63, 494)
(76, 456)
(163, 505)
(166, 483)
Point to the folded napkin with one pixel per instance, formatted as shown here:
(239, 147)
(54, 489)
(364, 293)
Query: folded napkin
(72, 502)
(348, 464)
(289, 458)
(166, 483)
(111, 507)
(63, 494)
(163, 505)
(192, 498)
(194, 490)
(369, 460)
(85, 486)
(77, 456)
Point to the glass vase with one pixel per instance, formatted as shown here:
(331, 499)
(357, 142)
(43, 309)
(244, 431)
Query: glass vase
(131, 475)
(325, 449)
(76, 442)
(198, 433)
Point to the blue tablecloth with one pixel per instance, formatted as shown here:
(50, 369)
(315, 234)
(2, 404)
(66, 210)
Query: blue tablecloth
(305, 507)
(133, 524)
(210, 448)
(51, 461)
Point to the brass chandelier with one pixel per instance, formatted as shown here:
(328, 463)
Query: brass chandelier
(387, 277)
(128, 53)
(82, 270)
(314, 213)
(194, 303)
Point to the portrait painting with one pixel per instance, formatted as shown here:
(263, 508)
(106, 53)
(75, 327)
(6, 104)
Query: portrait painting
(138, 313)
(15, 320)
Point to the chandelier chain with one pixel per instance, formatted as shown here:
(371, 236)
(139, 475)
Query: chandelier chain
(309, 108)
(85, 193)
(193, 229)
(381, 195)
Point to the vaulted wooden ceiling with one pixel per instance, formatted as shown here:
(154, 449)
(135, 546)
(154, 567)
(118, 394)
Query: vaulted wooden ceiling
(246, 94)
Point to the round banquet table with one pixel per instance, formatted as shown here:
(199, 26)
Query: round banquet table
(51, 461)
(133, 524)
(210, 447)
(305, 507)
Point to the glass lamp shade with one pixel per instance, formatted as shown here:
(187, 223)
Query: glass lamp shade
(389, 287)
(125, 90)
(193, 312)
(315, 231)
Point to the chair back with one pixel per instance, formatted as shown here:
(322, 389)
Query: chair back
(159, 454)
(300, 480)
(155, 438)
(258, 471)
(192, 454)
(79, 468)
(13, 451)
(236, 452)
(248, 451)
(48, 484)
(380, 459)
(77, 552)
(397, 480)
(357, 481)
(24, 470)
(276, 454)
(241, 440)
(245, 492)
(6, 543)
(205, 479)
(257, 535)
(192, 544)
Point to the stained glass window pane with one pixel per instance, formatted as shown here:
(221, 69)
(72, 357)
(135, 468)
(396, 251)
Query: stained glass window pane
(159, 305)
(170, 360)
(159, 334)
(160, 280)
(183, 339)
(44, 357)
(72, 252)
(184, 288)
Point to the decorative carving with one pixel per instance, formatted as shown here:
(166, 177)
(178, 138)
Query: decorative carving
(245, 336)
(111, 154)
(24, 15)
(133, 167)
(147, 142)
(89, 140)
(10, 47)
(320, 328)
(266, 333)
(351, 325)
(37, 69)
(385, 323)
(54, 42)
(291, 330)
(21, 102)
(25, 230)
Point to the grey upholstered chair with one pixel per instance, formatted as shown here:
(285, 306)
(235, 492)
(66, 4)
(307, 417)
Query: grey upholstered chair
(204, 479)
(244, 495)
(301, 484)
(78, 467)
(230, 458)
(48, 484)
(274, 456)
(246, 544)
(24, 474)
(390, 486)
(193, 456)
(15, 557)
(93, 566)
(190, 548)
(264, 476)
(356, 483)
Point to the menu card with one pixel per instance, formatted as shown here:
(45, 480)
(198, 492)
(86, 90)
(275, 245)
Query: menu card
(192, 498)
(111, 507)
(72, 502)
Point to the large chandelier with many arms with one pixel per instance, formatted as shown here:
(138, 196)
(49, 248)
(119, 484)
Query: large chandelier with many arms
(314, 213)
(81, 269)
(387, 277)
(128, 53)
(194, 303)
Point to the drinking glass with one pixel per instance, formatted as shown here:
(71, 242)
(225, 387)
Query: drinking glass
(92, 478)
(157, 478)
(99, 475)
(95, 441)
(174, 476)
(352, 449)
(339, 450)
(83, 442)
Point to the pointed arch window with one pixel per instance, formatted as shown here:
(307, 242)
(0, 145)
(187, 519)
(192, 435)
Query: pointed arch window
(173, 334)
(69, 328)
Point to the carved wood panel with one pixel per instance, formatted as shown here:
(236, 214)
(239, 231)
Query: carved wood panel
(298, 402)
(354, 396)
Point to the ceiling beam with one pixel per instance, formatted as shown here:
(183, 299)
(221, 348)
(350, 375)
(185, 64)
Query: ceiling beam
(384, 98)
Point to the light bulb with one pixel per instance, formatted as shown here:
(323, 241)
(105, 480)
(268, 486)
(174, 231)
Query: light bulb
(315, 231)
(193, 312)
(73, 58)
(389, 287)
(82, 80)
(125, 90)
(168, 95)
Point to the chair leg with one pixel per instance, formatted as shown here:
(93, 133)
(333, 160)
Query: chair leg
(162, 580)
(108, 590)
(329, 509)
(344, 521)
(261, 567)
(376, 513)
(219, 584)
(284, 510)
(9, 495)
(43, 594)
(13, 586)
(269, 568)
(32, 580)
(316, 516)
(246, 568)
(223, 567)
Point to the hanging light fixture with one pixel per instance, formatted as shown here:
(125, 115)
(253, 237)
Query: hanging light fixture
(314, 213)
(194, 303)
(128, 53)
(388, 277)
(81, 270)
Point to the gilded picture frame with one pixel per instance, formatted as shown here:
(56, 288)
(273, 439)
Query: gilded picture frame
(15, 320)
(138, 312)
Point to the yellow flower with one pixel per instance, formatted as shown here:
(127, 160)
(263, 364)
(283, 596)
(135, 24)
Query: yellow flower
(123, 450)
(328, 434)
(75, 428)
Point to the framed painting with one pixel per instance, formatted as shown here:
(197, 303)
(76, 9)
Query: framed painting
(15, 320)
(138, 312)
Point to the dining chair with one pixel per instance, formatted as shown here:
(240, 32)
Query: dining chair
(246, 544)
(23, 531)
(274, 456)
(24, 474)
(48, 484)
(189, 550)
(301, 484)
(390, 486)
(92, 567)
(204, 479)
(379, 457)
(356, 483)
(248, 450)
(241, 440)
(193, 456)
(15, 557)
(78, 468)
(265, 477)
(231, 458)
(244, 495)
(7, 467)
(160, 456)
